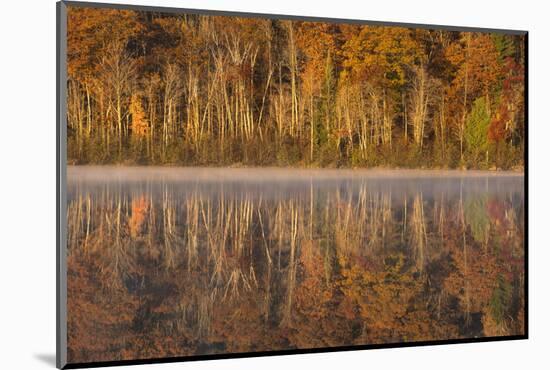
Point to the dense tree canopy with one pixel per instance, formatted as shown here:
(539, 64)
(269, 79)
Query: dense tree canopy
(154, 88)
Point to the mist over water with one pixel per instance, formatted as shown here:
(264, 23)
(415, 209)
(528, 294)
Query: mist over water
(278, 182)
(201, 261)
(262, 174)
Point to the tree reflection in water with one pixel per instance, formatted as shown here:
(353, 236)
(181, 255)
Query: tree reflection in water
(165, 268)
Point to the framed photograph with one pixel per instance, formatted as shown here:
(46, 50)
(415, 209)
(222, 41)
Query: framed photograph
(234, 184)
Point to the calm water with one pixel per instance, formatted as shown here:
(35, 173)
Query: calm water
(175, 262)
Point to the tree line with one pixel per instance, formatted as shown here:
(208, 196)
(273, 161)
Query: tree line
(180, 89)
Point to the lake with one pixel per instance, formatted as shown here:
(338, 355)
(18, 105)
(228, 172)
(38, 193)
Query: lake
(190, 261)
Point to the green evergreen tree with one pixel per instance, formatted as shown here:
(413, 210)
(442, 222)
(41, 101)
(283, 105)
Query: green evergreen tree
(477, 128)
(504, 45)
(500, 300)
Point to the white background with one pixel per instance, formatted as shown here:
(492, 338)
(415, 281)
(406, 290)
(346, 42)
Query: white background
(27, 196)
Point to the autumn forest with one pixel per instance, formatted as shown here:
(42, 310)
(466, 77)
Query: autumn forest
(148, 88)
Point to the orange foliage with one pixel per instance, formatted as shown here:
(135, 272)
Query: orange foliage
(140, 208)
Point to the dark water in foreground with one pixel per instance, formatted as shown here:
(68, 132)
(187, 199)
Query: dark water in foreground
(179, 262)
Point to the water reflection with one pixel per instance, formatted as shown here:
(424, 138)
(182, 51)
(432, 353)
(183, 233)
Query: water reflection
(173, 268)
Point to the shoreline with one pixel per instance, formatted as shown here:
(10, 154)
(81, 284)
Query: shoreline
(518, 169)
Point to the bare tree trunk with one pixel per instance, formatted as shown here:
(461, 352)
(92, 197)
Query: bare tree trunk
(294, 121)
(419, 102)
(465, 100)
(311, 127)
(442, 124)
(89, 109)
(405, 121)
